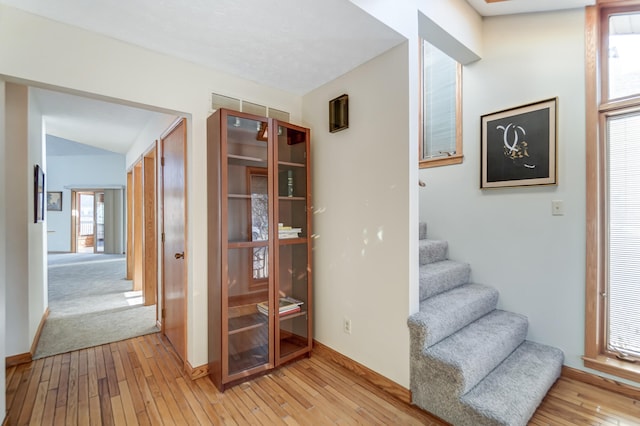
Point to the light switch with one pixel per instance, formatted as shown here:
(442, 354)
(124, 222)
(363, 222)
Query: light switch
(557, 207)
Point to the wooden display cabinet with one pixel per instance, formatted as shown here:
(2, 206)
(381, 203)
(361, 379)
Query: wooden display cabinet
(259, 251)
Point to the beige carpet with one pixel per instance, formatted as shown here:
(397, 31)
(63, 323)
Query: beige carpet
(91, 304)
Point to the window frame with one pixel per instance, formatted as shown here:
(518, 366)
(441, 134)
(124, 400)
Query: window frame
(456, 158)
(598, 109)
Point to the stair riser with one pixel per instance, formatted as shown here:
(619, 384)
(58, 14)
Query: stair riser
(433, 251)
(439, 277)
(474, 351)
(445, 314)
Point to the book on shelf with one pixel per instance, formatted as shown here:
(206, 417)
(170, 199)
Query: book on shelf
(287, 306)
(285, 232)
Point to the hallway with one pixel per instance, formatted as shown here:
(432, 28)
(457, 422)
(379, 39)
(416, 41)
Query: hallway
(91, 304)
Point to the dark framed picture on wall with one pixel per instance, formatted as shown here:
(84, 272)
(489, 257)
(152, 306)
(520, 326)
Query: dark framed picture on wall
(38, 194)
(519, 145)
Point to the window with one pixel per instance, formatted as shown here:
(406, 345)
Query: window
(441, 134)
(612, 329)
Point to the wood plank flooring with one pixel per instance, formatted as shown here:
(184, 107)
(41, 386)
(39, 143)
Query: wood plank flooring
(140, 382)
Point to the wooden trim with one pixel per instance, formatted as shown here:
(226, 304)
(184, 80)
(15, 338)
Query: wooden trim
(196, 372)
(441, 161)
(607, 364)
(601, 382)
(593, 308)
(129, 248)
(149, 228)
(173, 126)
(13, 360)
(36, 338)
(138, 227)
(371, 376)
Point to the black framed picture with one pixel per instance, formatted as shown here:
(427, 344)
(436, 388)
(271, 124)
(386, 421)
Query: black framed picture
(54, 201)
(38, 194)
(339, 113)
(519, 146)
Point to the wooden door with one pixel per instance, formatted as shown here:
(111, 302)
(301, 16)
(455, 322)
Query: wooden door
(173, 145)
(138, 227)
(150, 244)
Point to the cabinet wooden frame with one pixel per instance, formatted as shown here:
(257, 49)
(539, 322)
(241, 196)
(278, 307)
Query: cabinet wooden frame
(234, 318)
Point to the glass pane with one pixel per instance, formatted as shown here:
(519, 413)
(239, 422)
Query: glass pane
(439, 103)
(623, 134)
(624, 62)
(86, 231)
(293, 287)
(292, 182)
(248, 212)
(248, 327)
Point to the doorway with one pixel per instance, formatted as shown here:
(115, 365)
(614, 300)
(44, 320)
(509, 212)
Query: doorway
(88, 221)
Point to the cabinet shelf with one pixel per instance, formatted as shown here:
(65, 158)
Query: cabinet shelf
(289, 241)
(247, 244)
(287, 163)
(246, 323)
(292, 316)
(242, 160)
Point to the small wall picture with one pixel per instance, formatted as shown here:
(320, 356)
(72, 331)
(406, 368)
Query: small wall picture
(519, 146)
(38, 194)
(54, 201)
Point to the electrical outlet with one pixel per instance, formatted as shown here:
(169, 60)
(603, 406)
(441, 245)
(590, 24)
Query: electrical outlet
(557, 208)
(346, 325)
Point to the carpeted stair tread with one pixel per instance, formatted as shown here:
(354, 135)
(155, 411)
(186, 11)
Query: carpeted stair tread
(433, 251)
(442, 315)
(438, 277)
(467, 356)
(510, 394)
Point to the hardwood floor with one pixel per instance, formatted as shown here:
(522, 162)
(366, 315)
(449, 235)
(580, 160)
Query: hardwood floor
(140, 381)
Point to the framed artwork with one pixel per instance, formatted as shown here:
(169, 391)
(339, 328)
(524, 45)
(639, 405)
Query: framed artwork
(339, 113)
(54, 201)
(519, 145)
(38, 194)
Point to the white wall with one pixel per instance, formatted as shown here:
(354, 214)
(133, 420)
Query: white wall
(3, 274)
(149, 135)
(51, 54)
(78, 171)
(18, 175)
(361, 222)
(509, 236)
(37, 232)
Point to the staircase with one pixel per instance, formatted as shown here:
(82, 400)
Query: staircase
(470, 362)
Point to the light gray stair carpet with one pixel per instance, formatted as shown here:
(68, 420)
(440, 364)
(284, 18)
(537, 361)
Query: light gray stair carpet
(470, 362)
(91, 304)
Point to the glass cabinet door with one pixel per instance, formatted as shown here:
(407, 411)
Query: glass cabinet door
(246, 281)
(292, 335)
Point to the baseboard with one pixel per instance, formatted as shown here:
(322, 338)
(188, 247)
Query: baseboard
(601, 382)
(196, 372)
(389, 386)
(13, 360)
(36, 338)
